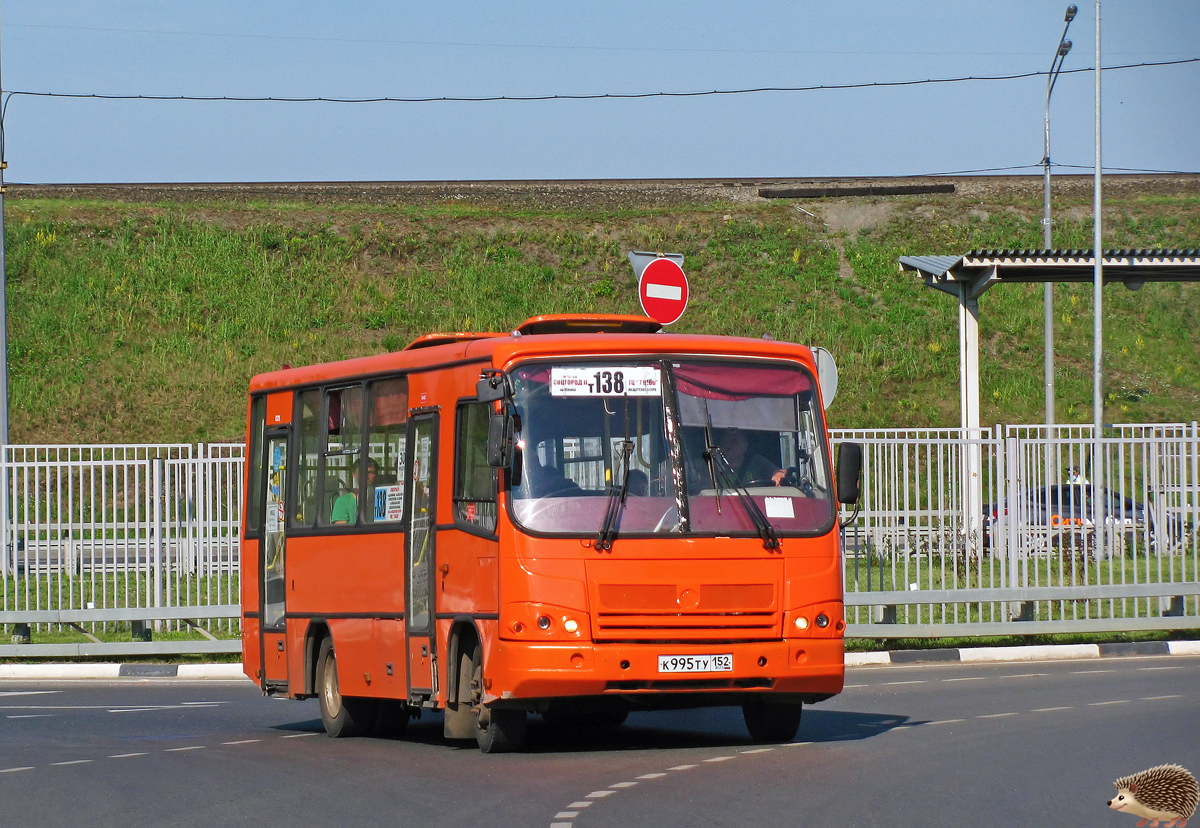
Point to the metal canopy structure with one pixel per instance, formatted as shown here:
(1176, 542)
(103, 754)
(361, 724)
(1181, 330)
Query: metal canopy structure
(967, 277)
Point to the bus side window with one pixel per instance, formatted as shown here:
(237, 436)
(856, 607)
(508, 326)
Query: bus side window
(474, 479)
(304, 512)
(386, 435)
(343, 475)
(254, 502)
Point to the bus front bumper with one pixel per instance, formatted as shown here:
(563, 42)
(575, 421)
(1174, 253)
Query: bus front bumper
(519, 671)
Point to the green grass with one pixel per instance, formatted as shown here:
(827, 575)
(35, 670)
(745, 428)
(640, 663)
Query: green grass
(145, 322)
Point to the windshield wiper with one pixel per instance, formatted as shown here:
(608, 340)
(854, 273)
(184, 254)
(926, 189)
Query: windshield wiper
(616, 498)
(766, 531)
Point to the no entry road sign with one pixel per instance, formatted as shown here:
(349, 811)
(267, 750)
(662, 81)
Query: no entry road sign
(663, 290)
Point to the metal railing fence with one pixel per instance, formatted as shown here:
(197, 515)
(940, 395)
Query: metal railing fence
(97, 536)
(984, 535)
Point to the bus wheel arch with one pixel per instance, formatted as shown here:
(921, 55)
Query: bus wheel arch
(316, 633)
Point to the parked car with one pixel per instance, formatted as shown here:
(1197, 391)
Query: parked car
(1067, 514)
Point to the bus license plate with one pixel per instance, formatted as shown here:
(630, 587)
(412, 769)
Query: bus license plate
(696, 663)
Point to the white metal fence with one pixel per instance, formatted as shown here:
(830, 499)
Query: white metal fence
(985, 534)
(121, 538)
(953, 538)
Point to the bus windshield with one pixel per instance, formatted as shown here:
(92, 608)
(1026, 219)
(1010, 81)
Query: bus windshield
(674, 440)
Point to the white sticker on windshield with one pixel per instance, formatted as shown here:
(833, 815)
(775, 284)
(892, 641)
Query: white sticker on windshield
(603, 381)
(779, 507)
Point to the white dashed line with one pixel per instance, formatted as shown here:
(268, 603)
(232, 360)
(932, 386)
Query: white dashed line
(853, 686)
(1086, 672)
(242, 742)
(15, 770)
(72, 762)
(600, 794)
(560, 825)
(719, 759)
(947, 721)
(759, 750)
(683, 767)
(179, 749)
(1156, 698)
(1025, 675)
(566, 814)
(797, 744)
(915, 681)
(1050, 709)
(579, 805)
(30, 716)
(622, 784)
(1175, 667)
(970, 678)
(652, 776)
(1101, 704)
(125, 755)
(995, 715)
(299, 735)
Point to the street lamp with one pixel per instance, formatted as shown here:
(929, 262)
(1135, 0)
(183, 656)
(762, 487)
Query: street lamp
(1060, 54)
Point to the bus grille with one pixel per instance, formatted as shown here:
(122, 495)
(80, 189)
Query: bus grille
(707, 612)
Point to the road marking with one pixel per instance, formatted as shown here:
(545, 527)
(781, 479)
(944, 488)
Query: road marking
(902, 727)
(1086, 672)
(797, 744)
(719, 759)
(622, 784)
(996, 715)
(758, 750)
(7, 693)
(971, 678)
(852, 686)
(600, 794)
(683, 767)
(947, 721)
(1049, 709)
(1175, 667)
(1099, 704)
(189, 747)
(1156, 698)
(919, 681)
(566, 814)
(135, 709)
(242, 742)
(125, 755)
(579, 804)
(1027, 675)
(651, 775)
(299, 735)
(73, 762)
(14, 770)
(560, 825)
(30, 716)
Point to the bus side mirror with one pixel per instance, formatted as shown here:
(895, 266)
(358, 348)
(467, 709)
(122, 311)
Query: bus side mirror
(500, 440)
(849, 472)
(490, 388)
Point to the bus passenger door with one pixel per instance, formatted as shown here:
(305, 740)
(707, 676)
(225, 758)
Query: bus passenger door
(273, 562)
(419, 556)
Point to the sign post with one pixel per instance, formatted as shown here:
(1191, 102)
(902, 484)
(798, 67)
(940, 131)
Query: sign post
(662, 285)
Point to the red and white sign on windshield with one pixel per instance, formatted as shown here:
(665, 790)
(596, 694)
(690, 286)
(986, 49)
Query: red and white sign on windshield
(662, 285)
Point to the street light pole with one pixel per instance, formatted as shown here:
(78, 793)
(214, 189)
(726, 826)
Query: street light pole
(1098, 318)
(1060, 54)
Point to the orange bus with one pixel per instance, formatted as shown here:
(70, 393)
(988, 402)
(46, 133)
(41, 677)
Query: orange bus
(582, 517)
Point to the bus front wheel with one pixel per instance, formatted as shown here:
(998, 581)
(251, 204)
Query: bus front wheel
(341, 715)
(496, 730)
(771, 721)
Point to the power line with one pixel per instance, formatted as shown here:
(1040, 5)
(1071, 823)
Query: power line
(578, 97)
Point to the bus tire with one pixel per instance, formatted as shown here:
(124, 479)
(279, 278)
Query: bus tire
(771, 722)
(497, 730)
(341, 715)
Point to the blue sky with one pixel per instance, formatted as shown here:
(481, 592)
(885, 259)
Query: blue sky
(468, 48)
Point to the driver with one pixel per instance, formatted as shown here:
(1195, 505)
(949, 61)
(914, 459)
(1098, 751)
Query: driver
(748, 468)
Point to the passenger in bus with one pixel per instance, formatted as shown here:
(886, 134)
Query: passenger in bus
(547, 481)
(639, 484)
(748, 468)
(345, 508)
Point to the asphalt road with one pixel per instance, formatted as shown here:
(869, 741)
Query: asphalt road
(1003, 744)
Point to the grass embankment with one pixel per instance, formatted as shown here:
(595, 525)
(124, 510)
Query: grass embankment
(144, 323)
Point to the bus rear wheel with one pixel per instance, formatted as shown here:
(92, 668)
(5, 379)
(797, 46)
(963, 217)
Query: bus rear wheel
(341, 715)
(497, 730)
(771, 722)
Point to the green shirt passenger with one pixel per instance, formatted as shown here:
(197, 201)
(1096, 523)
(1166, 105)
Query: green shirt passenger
(345, 508)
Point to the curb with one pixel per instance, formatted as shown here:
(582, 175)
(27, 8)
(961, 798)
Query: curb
(1056, 652)
(68, 672)
(976, 655)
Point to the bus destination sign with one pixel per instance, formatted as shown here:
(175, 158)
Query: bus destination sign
(605, 381)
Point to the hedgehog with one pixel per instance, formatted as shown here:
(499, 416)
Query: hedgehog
(1167, 792)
